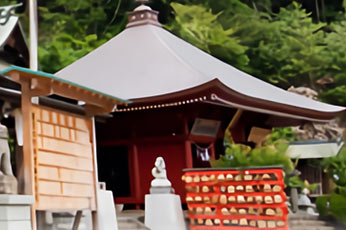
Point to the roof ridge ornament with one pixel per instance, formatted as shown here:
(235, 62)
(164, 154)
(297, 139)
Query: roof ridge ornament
(7, 11)
(142, 15)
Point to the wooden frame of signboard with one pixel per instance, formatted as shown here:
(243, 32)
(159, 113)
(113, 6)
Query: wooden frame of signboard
(59, 160)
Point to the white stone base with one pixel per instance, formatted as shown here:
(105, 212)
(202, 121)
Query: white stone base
(106, 215)
(15, 212)
(163, 211)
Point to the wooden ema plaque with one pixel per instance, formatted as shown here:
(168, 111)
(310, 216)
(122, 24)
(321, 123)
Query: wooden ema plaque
(236, 199)
(63, 160)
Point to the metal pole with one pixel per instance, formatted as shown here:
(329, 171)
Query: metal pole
(33, 34)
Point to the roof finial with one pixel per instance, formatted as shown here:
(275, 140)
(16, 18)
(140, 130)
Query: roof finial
(143, 14)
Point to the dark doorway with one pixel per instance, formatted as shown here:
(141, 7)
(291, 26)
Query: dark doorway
(113, 169)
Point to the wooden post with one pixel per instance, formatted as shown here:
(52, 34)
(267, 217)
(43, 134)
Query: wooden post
(77, 219)
(230, 130)
(28, 158)
(33, 26)
(235, 119)
(188, 151)
(135, 166)
(212, 151)
(96, 179)
(95, 220)
(137, 184)
(188, 154)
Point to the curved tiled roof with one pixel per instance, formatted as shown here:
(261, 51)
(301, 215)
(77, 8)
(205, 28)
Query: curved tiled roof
(146, 62)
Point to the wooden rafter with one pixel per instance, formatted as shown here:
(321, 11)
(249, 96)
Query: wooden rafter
(96, 103)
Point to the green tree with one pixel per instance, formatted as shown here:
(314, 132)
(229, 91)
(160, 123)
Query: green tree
(70, 29)
(285, 48)
(333, 204)
(289, 50)
(281, 42)
(200, 26)
(335, 53)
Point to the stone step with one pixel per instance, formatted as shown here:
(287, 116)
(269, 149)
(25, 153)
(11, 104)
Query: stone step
(128, 223)
(302, 216)
(312, 228)
(303, 221)
(309, 223)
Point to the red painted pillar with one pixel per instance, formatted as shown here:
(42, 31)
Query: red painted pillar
(188, 151)
(137, 183)
(188, 154)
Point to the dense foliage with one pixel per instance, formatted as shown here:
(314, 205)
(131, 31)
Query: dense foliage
(199, 26)
(298, 43)
(285, 48)
(239, 155)
(336, 169)
(334, 203)
(285, 133)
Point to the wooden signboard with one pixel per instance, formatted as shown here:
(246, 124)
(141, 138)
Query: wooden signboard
(64, 174)
(59, 165)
